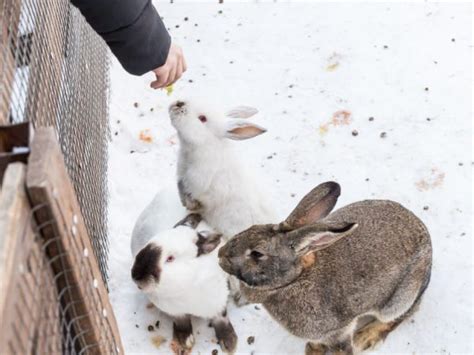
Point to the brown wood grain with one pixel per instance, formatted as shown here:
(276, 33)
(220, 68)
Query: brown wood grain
(48, 184)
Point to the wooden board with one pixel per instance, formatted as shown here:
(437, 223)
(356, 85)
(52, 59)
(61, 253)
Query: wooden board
(29, 309)
(48, 184)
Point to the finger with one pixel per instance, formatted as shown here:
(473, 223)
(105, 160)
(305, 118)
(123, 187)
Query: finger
(172, 76)
(162, 79)
(179, 72)
(185, 66)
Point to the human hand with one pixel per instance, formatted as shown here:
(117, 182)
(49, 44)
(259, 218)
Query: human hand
(172, 70)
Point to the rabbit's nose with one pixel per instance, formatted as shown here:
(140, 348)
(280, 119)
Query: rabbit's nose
(179, 104)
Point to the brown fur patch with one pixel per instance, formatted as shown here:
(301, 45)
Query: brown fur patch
(372, 333)
(308, 260)
(315, 349)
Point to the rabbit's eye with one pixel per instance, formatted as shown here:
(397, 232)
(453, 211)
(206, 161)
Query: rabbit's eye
(255, 254)
(202, 118)
(170, 259)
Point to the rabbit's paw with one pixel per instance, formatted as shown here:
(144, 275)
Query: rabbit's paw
(368, 336)
(315, 349)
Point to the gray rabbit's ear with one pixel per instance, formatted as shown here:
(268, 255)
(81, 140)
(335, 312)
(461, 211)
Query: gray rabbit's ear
(307, 240)
(240, 130)
(242, 112)
(191, 220)
(317, 204)
(207, 242)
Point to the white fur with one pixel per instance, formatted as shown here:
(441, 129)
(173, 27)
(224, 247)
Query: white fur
(212, 172)
(189, 284)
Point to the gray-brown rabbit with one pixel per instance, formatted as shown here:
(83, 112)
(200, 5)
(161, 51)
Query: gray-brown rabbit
(342, 280)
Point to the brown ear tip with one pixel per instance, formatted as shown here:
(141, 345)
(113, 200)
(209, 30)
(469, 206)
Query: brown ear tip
(333, 187)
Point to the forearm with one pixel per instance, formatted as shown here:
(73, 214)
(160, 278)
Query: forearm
(132, 29)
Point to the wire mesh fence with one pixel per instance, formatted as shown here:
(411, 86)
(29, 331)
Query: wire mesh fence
(54, 72)
(52, 298)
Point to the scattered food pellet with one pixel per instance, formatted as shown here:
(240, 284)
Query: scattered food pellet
(215, 352)
(453, 39)
(460, 164)
(195, 25)
(190, 80)
(427, 89)
(270, 157)
(231, 62)
(151, 109)
(367, 179)
(198, 40)
(137, 326)
(131, 152)
(177, 26)
(135, 104)
(426, 208)
(291, 86)
(355, 133)
(158, 340)
(385, 47)
(220, 11)
(186, 19)
(118, 121)
(371, 119)
(257, 308)
(157, 324)
(428, 119)
(290, 96)
(151, 328)
(116, 133)
(251, 340)
(292, 195)
(383, 134)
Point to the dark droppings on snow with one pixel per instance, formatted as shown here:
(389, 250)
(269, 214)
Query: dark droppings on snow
(355, 133)
(215, 352)
(427, 89)
(383, 135)
(137, 326)
(151, 328)
(186, 19)
(257, 308)
(371, 119)
(135, 104)
(157, 324)
(426, 208)
(250, 340)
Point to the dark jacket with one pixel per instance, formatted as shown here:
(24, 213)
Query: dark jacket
(132, 29)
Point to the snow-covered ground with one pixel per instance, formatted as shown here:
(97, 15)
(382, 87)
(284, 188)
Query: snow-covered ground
(396, 79)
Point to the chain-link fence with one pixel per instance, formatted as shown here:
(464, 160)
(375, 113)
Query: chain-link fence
(54, 71)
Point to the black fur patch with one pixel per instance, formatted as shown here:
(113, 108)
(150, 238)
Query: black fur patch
(146, 264)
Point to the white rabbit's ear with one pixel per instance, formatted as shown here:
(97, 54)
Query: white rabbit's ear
(240, 130)
(242, 112)
(207, 242)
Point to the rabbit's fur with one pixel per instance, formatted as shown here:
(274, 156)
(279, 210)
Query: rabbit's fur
(177, 268)
(342, 280)
(212, 179)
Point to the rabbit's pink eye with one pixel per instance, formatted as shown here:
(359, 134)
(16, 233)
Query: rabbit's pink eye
(202, 118)
(170, 259)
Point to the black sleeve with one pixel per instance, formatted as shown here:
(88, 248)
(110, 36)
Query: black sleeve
(132, 29)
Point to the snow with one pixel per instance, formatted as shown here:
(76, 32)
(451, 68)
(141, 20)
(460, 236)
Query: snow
(405, 65)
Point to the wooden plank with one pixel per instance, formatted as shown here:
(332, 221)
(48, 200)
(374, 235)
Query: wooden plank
(48, 184)
(14, 210)
(25, 276)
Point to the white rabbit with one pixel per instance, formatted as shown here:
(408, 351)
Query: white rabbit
(177, 269)
(211, 178)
